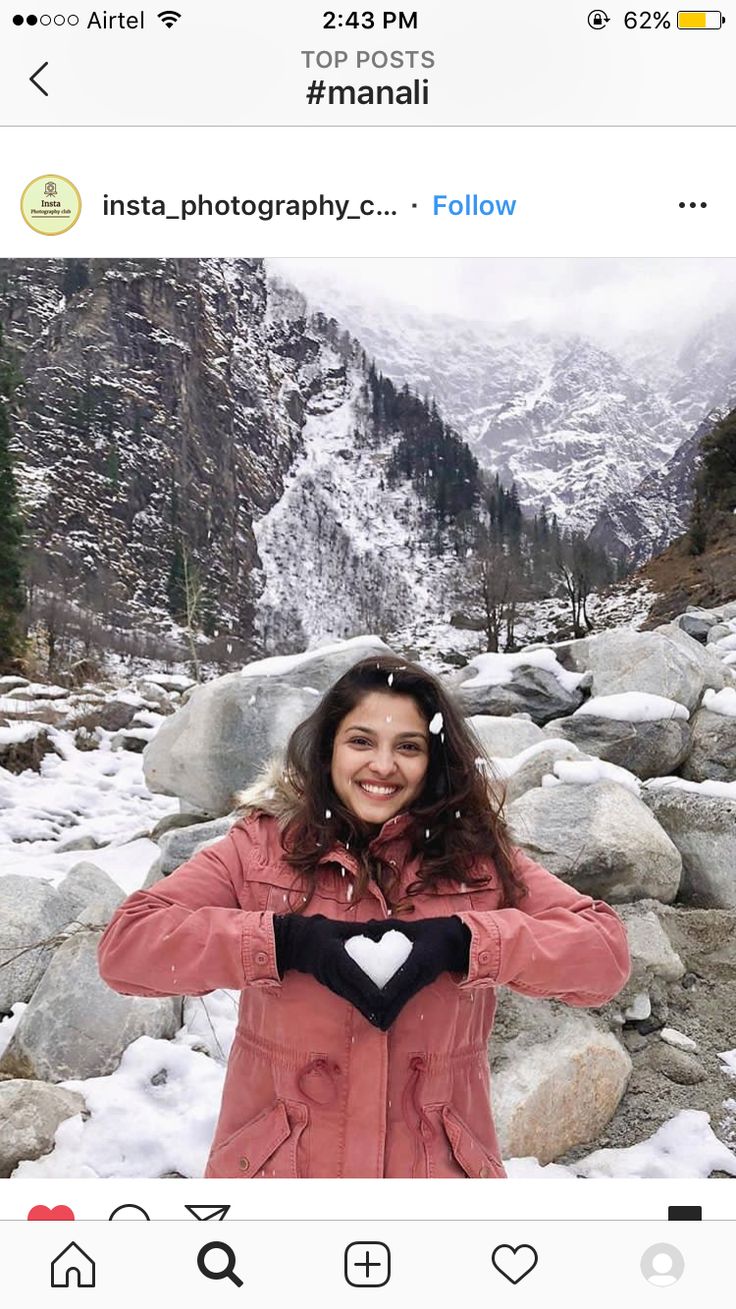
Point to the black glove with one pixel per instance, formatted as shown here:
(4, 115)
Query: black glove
(315, 944)
(439, 945)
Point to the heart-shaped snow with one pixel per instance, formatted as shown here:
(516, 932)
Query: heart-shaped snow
(379, 959)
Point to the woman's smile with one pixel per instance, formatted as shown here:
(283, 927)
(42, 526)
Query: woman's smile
(377, 791)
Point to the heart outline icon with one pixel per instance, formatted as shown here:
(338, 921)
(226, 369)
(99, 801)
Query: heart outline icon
(42, 1213)
(514, 1250)
(379, 959)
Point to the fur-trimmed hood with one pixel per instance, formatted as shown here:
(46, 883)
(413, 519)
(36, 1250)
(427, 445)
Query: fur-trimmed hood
(271, 793)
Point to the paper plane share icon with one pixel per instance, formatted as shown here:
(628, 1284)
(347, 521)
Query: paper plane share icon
(207, 1212)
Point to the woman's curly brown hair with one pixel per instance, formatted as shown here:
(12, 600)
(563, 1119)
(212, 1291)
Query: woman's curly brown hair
(460, 805)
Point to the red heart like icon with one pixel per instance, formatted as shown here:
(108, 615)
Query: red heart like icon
(41, 1213)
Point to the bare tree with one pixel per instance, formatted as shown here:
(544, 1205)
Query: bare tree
(580, 569)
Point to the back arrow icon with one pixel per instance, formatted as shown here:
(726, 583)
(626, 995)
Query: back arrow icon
(33, 77)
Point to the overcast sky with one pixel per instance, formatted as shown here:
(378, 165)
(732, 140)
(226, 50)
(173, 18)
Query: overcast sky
(606, 298)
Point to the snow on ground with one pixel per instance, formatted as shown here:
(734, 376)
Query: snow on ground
(154, 1116)
(634, 707)
(686, 1146)
(627, 605)
(98, 793)
(211, 1020)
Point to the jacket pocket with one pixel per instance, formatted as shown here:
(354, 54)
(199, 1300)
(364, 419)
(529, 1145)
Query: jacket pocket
(266, 1146)
(466, 1151)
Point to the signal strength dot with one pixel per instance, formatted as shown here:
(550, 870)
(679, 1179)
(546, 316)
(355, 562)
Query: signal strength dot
(169, 17)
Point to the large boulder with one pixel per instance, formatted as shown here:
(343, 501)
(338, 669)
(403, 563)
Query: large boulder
(703, 827)
(502, 737)
(218, 741)
(698, 622)
(510, 684)
(91, 891)
(705, 939)
(665, 662)
(654, 963)
(113, 715)
(186, 818)
(32, 914)
(183, 843)
(600, 838)
(648, 749)
(75, 1026)
(558, 1078)
(715, 675)
(155, 694)
(24, 746)
(526, 770)
(30, 1113)
(719, 632)
(712, 753)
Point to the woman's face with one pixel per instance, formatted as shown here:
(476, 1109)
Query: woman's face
(380, 756)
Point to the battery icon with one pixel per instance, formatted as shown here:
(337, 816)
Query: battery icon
(699, 19)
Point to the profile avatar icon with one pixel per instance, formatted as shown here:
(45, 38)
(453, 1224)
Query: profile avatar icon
(50, 189)
(662, 1265)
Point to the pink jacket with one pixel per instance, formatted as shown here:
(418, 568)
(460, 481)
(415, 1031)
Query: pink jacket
(312, 1088)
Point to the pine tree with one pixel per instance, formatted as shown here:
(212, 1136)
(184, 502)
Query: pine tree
(717, 477)
(698, 528)
(12, 593)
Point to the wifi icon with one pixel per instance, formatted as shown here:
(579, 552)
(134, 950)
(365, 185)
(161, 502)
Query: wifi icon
(169, 17)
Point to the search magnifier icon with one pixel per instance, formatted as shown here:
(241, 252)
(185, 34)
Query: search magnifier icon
(218, 1274)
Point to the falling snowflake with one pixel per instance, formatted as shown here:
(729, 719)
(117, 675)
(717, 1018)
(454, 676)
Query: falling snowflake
(390, 679)
(328, 813)
(389, 718)
(436, 724)
(426, 833)
(457, 813)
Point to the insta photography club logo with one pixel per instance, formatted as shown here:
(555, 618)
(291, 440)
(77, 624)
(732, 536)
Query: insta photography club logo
(51, 204)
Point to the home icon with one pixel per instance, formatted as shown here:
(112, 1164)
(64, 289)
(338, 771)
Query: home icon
(72, 1267)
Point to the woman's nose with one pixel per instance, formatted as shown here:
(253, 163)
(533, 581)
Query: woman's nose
(383, 764)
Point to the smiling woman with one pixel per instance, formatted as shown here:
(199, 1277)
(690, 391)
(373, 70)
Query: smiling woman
(366, 903)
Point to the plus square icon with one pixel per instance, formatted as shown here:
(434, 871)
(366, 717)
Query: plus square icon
(367, 1263)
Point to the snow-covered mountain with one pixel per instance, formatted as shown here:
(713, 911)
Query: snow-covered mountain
(585, 431)
(701, 383)
(191, 401)
(201, 405)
